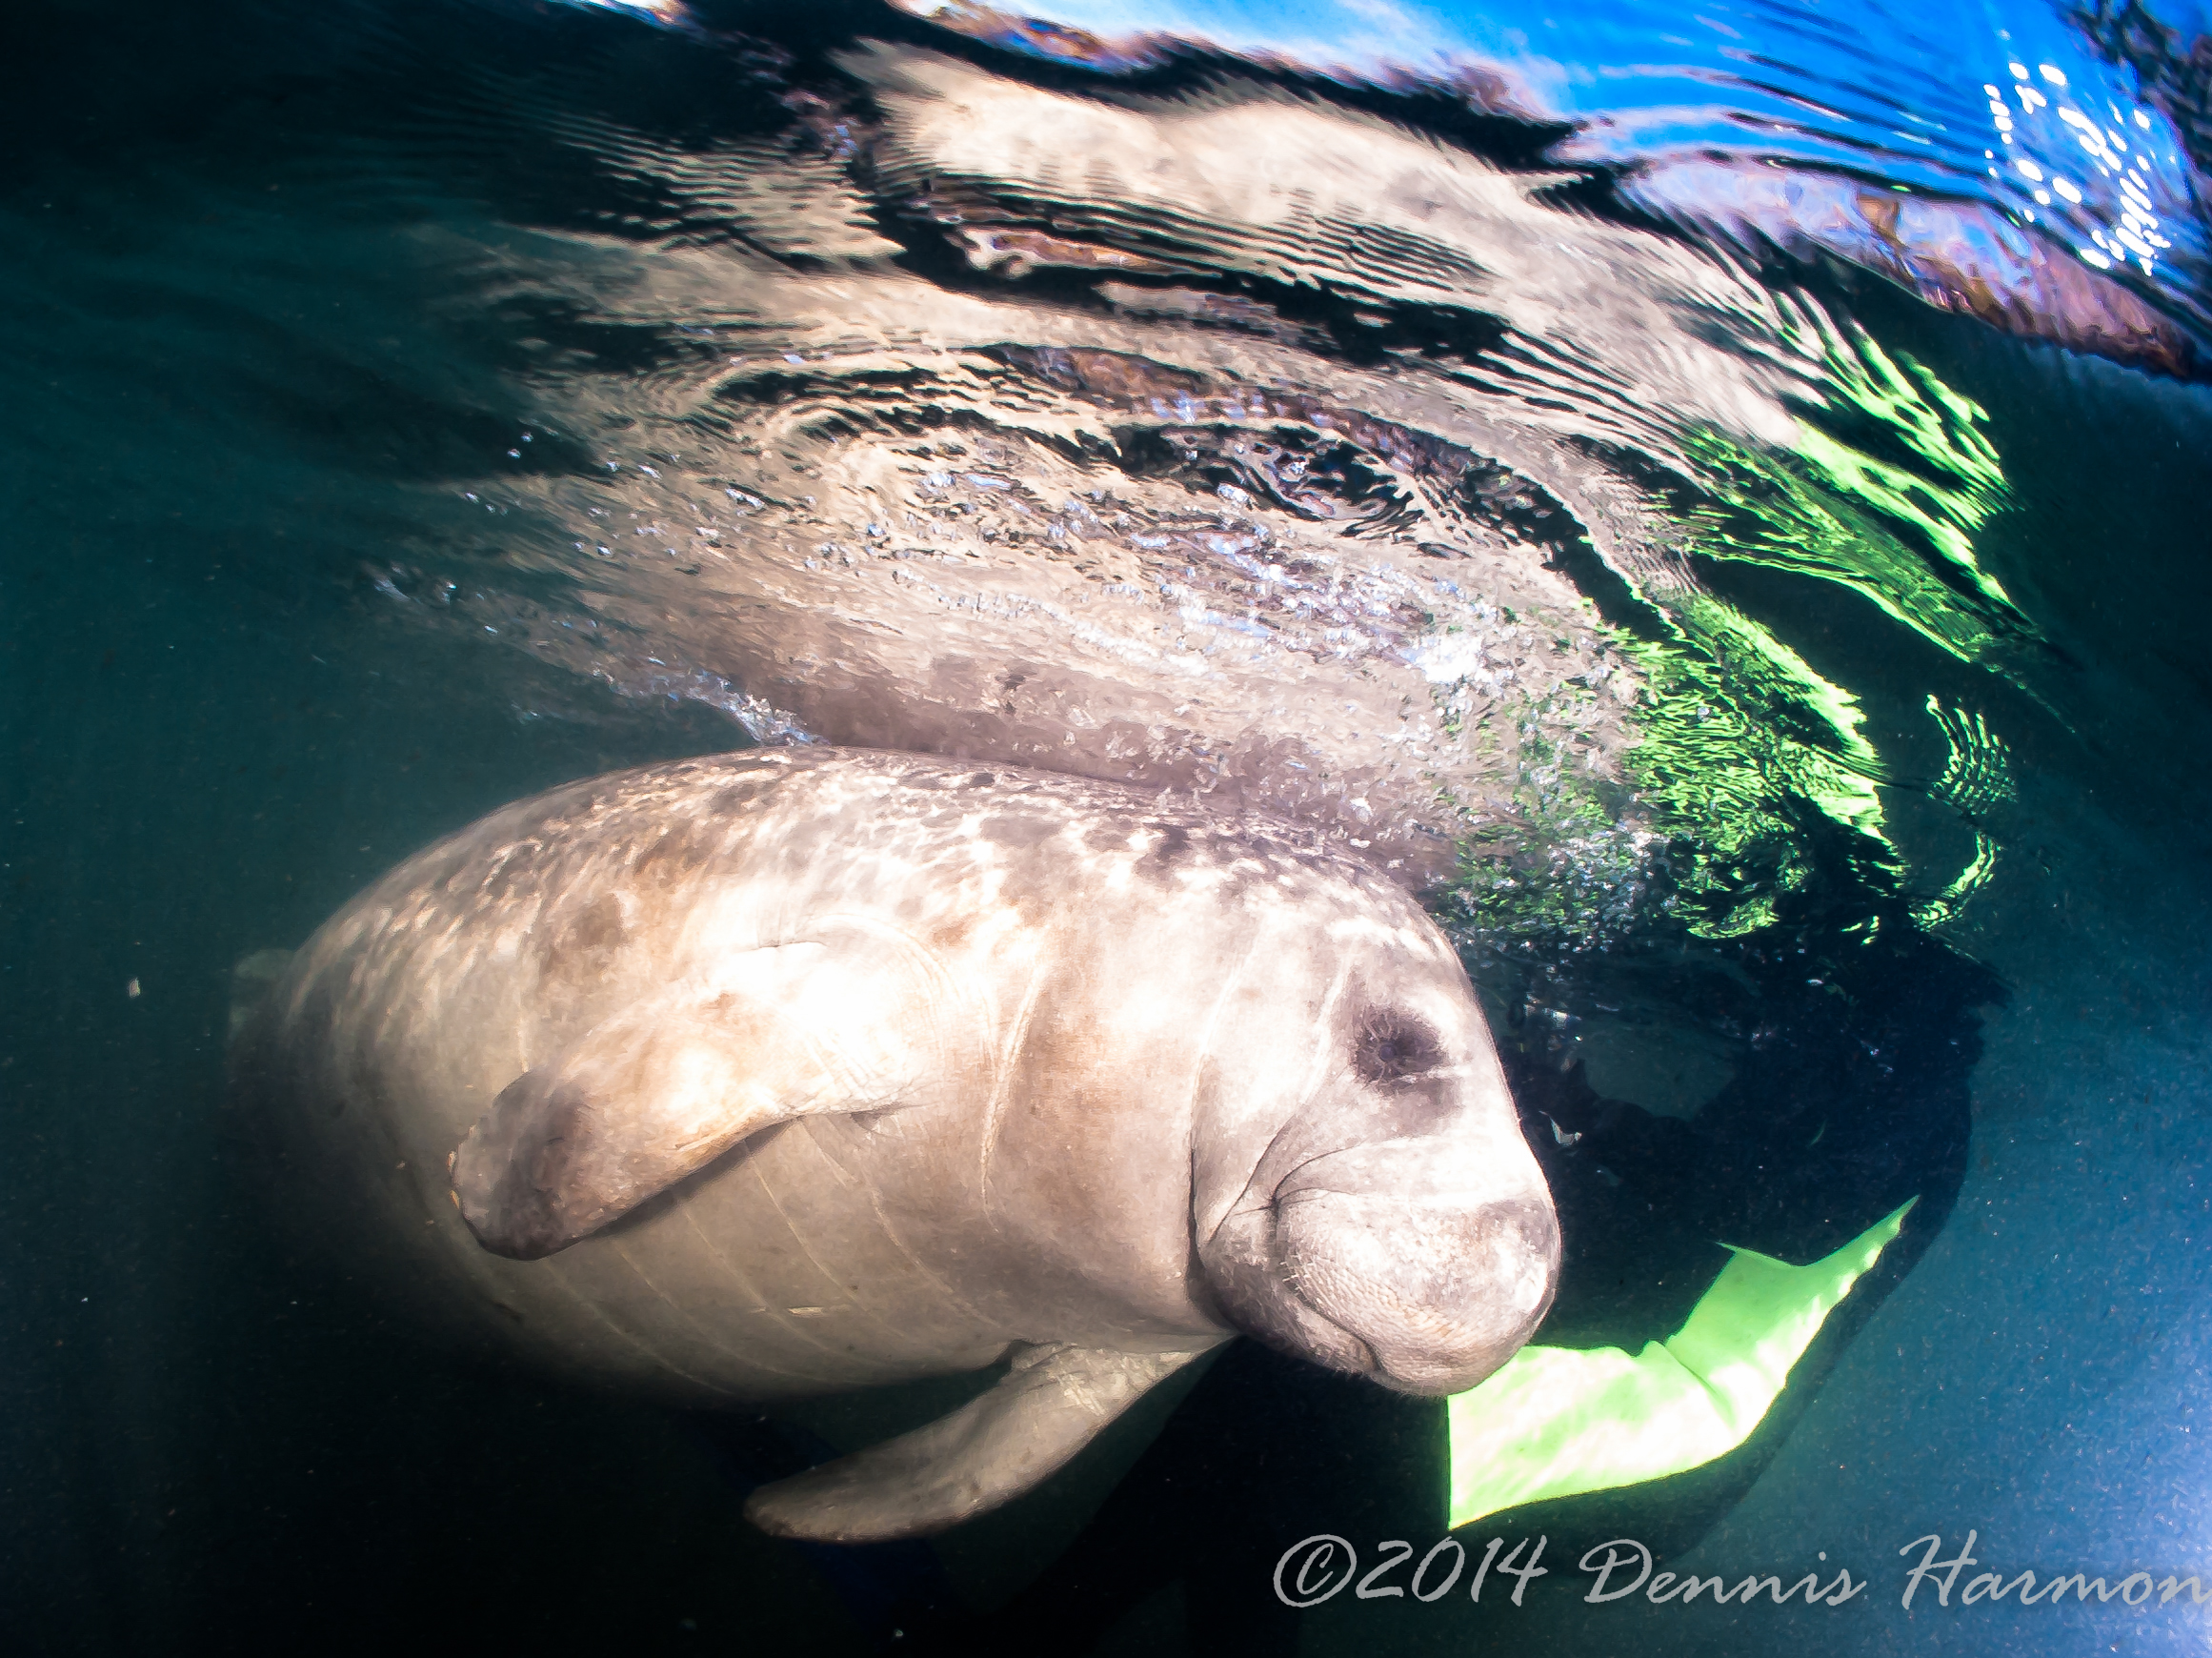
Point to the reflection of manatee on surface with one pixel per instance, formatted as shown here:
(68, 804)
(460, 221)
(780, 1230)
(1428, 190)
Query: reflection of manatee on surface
(1222, 439)
(1148, 533)
(797, 1071)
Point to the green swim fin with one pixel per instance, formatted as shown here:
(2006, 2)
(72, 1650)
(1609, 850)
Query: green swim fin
(1555, 1422)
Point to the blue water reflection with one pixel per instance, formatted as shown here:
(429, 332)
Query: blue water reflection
(2016, 112)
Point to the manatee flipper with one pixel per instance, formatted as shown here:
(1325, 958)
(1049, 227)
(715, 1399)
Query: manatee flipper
(667, 1085)
(252, 978)
(1051, 1404)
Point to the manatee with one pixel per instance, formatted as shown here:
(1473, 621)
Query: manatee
(802, 1070)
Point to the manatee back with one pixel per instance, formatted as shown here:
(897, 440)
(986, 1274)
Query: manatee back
(1047, 1200)
(821, 1255)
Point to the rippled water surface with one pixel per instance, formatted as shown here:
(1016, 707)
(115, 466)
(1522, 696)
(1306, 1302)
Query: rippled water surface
(1716, 502)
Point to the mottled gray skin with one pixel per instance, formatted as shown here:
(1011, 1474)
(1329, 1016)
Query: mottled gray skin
(802, 1070)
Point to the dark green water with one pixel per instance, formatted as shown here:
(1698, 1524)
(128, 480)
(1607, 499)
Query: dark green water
(280, 296)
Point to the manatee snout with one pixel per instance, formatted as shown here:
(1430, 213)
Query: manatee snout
(1363, 1261)
(1440, 1294)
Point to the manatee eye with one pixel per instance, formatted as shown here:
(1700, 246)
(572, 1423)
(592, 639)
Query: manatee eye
(1392, 1044)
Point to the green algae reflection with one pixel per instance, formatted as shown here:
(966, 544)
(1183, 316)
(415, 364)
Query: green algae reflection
(1754, 767)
